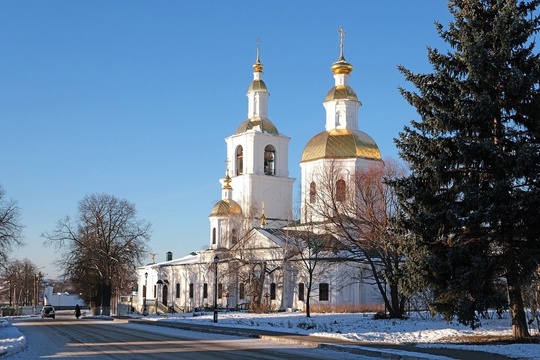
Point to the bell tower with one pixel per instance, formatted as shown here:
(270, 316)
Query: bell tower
(259, 157)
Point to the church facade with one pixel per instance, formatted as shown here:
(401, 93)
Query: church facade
(259, 257)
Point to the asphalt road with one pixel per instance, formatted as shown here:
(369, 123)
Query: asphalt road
(85, 339)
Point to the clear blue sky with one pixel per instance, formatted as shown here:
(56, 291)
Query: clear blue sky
(135, 98)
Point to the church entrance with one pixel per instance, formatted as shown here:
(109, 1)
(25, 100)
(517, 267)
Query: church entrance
(164, 295)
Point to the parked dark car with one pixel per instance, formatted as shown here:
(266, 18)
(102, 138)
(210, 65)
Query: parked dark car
(47, 311)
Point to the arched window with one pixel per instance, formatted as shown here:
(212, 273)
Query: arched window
(213, 236)
(273, 291)
(234, 237)
(177, 295)
(269, 160)
(312, 192)
(239, 160)
(341, 190)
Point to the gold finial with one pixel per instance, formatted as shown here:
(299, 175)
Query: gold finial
(258, 66)
(263, 216)
(341, 66)
(228, 180)
(227, 163)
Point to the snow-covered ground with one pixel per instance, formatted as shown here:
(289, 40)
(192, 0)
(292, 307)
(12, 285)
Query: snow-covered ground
(355, 327)
(11, 340)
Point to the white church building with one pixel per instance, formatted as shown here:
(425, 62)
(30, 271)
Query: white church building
(257, 256)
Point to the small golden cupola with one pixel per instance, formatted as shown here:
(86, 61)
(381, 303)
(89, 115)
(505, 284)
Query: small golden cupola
(341, 66)
(342, 70)
(257, 103)
(226, 206)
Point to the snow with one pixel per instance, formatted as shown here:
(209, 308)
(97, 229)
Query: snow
(418, 330)
(11, 340)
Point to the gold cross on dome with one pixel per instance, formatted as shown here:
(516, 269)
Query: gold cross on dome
(342, 33)
(227, 162)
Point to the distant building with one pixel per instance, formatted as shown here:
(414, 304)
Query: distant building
(61, 300)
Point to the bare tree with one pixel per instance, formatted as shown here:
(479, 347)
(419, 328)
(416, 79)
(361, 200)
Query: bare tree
(358, 210)
(10, 226)
(314, 252)
(104, 246)
(21, 279)
(250, 267)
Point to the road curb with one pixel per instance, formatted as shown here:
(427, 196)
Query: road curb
(286, 338)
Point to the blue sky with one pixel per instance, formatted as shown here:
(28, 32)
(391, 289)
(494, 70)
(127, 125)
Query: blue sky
(135, 98)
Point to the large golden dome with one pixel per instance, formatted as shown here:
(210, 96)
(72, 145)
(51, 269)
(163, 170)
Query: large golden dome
(341, 144)
(263, 125)
(226, 207)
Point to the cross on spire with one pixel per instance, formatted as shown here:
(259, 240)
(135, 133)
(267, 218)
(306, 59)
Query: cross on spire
(342, 33)
(227, 162)
(258, 49)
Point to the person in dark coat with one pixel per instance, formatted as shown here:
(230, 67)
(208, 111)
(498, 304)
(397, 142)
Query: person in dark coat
(77, 311)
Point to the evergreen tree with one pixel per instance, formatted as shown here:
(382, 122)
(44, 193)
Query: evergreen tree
(472, 199)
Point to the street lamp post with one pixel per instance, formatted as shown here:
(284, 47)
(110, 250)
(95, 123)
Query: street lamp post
(216, 260)
(145, 312)
(36, 292)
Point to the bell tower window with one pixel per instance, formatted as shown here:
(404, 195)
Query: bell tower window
(269, 160)
(214, 236)
(239, 160)
(234, 236)
(312, 192)
(340, 190)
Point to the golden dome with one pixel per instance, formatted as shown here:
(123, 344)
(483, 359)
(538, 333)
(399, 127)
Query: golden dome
(258, 67)
(341, 92)
(341, 67)
(257, 85)
(264, 125)
(341, 144)
(226, 207)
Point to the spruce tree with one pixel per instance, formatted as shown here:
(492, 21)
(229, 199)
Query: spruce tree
(471, 203)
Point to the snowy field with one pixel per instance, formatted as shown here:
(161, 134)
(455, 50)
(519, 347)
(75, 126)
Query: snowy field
(353, 327)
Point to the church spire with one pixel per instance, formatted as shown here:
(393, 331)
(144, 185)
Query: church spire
(227, 188)
(341, 102)
(257, 92)
(263, 217)
(341, 66)
(258, 66)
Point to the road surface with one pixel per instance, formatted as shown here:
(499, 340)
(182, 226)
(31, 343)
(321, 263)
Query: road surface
(85, 339)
